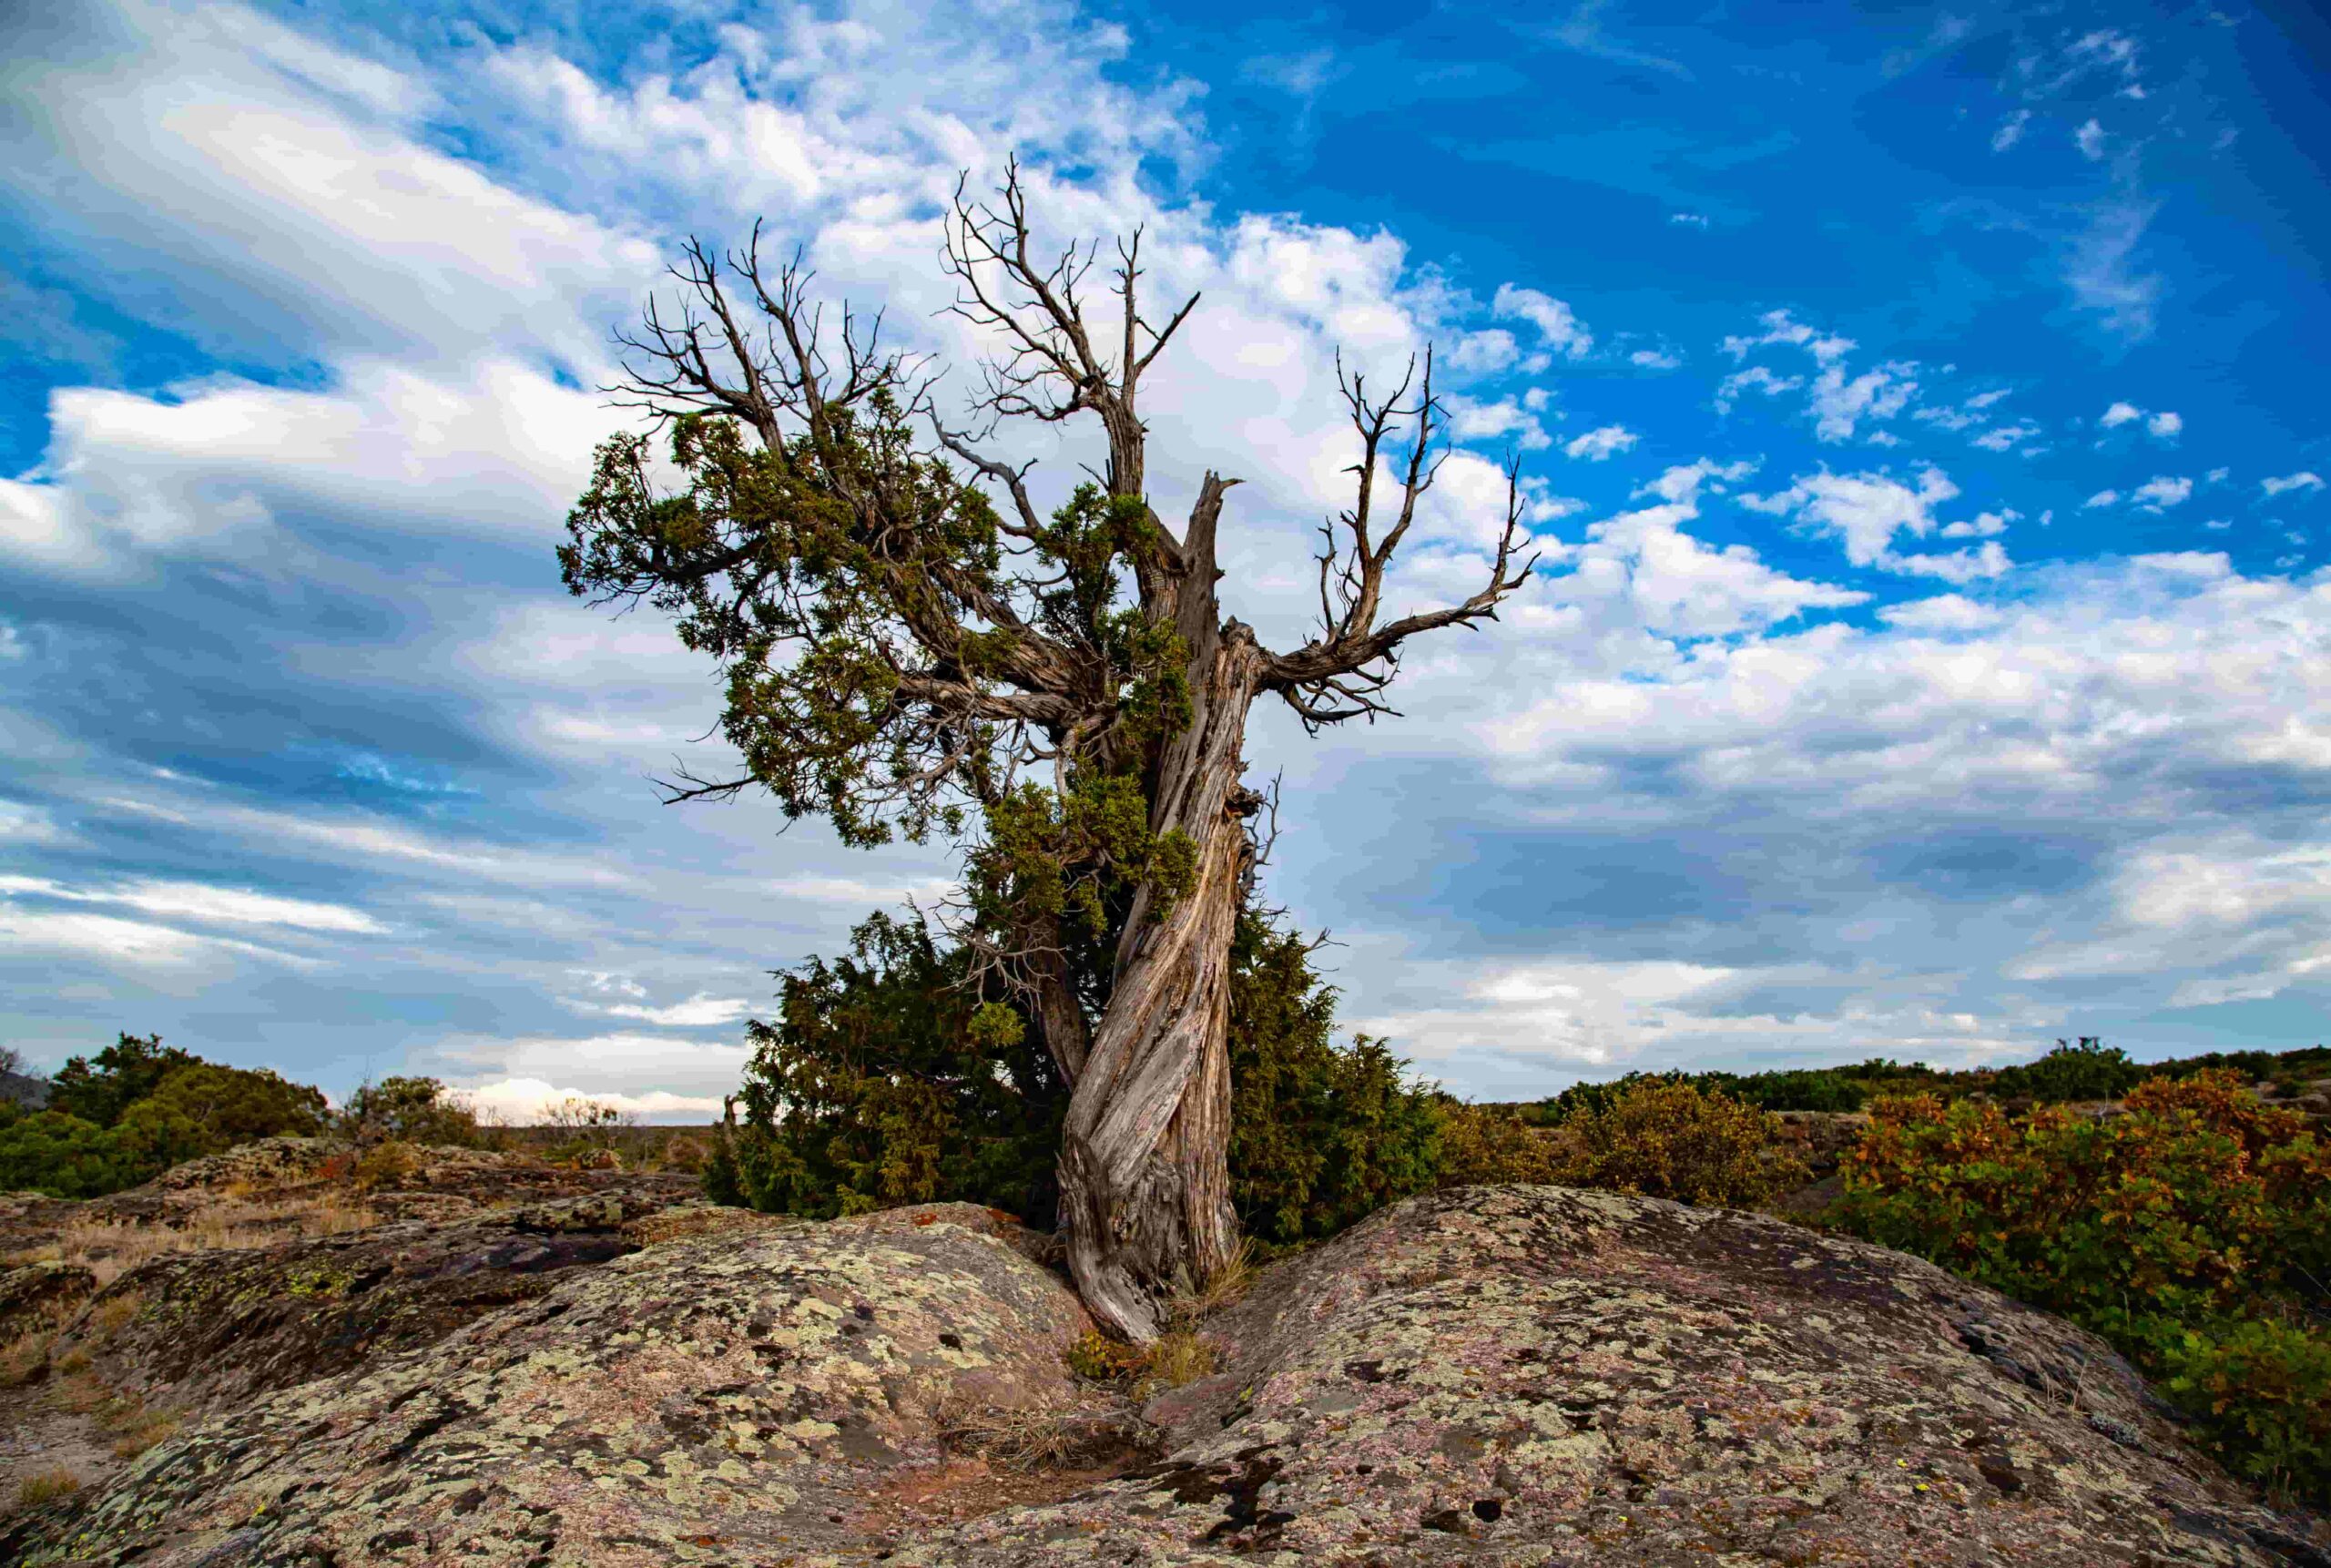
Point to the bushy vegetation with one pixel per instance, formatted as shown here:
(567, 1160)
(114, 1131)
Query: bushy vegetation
(1650, 1136)
(893, 1076)
(1321, 1135)
(890, 1076)
(407, 1110)
(2076, 1070)
(2193, 1230)
(1666, 1139)
(138, 1108)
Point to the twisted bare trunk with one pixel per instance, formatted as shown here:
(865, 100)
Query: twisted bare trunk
(1144, 1174)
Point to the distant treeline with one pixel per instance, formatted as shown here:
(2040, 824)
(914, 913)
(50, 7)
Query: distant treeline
(2085, 1069)
(125, 1115)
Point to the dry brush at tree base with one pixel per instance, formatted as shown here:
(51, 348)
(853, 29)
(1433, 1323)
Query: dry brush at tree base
(904, 655)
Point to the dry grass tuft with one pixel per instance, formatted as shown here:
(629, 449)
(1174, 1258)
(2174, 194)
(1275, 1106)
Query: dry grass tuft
(1226, 1286)
(386, 1165)
(1044, 1437)
(25, 1359)
(109, 1249)
(1178, 1357)
(137, 1428)
(47, 1486)
(112, 1315)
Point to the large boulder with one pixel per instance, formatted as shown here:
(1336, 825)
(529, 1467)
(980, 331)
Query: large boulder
(1539, 1374)
(738, 1394)
(38, 1290)
(1509, 1376)
(206, 1330)
(289, 1188)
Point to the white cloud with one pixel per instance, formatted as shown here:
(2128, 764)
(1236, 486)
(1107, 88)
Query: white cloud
(2010, 130)
(208, 469)
(2090, 139)
(2102, 498)
(1596, 445)
(203, 903)
(1782, 328)
(701, 1011)
(2164, 425)
(2103, 271)
(2002, 437)
(1839, 405)
(1558, 327)
(1756, 378)
(1489, 351)
(1944, 613)
(116, 944)
(1642, 570)
(1868, 511)
(523, 1102)
(1654, 360)
(2162, 492)
(1504, 420)
(2303, 480)
(1688, 219)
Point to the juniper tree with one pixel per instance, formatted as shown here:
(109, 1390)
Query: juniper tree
(912, 647)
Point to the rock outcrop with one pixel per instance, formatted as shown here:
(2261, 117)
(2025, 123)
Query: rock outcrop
(1539, 1374)
(1509, 1376)
(205, 1331)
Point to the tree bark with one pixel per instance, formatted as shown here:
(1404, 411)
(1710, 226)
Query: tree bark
(1144, 1174)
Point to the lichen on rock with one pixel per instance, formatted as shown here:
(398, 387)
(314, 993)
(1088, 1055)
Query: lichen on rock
(737, 1394)
(1505, 1376)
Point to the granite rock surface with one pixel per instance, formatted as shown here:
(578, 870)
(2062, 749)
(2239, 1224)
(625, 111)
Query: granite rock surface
(1496, 1376)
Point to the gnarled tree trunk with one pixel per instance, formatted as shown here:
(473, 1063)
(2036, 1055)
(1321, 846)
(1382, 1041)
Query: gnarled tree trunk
(1144, 1174)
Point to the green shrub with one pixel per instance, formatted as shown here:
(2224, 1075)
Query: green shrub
(100, 1090)
(2260, 1391)
(1796, 1089)
(2191, 1230)
(190, 1111)
(62, 1156)
(411, 1110)
(1486, 1144)
(1320, 1136)
(2090, 1070)
(1666, 1139)
(230, 1106)
(891, 1077)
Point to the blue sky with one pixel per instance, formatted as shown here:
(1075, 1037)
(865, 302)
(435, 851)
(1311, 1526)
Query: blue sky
(1920, 407)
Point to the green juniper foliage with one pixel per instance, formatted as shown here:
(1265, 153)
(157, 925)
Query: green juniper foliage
(892, 1075)
(98, 1090)
(856, 594)
(140, 1108)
